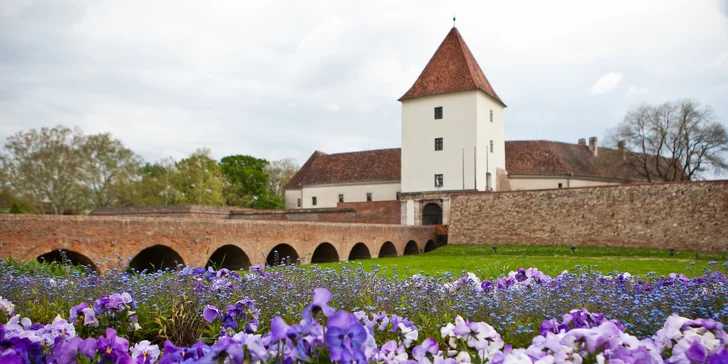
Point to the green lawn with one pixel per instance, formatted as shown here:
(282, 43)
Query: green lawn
(550, 259)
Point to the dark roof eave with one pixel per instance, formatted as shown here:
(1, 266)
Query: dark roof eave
(496, 99)
(343, 182)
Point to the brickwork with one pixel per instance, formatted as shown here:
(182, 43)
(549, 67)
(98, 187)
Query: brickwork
(195, 240)
(689, 216)
(177, 211)
(373, 212)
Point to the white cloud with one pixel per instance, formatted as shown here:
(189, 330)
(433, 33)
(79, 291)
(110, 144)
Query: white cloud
(720, 60)
(639, 90)
(606, 83)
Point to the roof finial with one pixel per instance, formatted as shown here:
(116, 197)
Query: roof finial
(453, 20)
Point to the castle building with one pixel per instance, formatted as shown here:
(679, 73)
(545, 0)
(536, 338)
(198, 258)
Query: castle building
(453, 141)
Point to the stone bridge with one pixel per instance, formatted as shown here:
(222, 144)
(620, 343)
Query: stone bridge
(153, 243)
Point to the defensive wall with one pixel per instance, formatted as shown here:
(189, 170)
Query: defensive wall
(372, 212)
(162, 241)
(684, 216)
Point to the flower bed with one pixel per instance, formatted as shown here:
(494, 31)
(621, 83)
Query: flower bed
(308, 314)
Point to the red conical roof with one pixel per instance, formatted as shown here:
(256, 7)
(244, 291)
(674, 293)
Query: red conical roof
(452, 68)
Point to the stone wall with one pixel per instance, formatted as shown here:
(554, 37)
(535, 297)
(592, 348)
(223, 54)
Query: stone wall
(684, 216)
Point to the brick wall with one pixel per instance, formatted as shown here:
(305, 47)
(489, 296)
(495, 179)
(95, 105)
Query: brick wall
(690, 216)
(195, 240)
(347, 215)
(176, 211)
(374, 212)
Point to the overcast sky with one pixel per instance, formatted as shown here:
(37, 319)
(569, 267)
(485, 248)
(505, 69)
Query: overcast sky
(279, 79)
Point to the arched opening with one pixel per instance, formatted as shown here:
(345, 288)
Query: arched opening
(411, 248)
(359, 251)
(432, 214)
(387, 250)
(66, 256)
(230, 257)
(154, 258)
(282, 254)
(325, 253)
(430, 246)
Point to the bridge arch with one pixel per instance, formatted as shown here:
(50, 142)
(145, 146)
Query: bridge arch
(387, 250)
(325, 253)
(65, 256)
(282, 254)
(155, 258)
(230, 257)
(430, 246)
(411, 248)
(359, 251)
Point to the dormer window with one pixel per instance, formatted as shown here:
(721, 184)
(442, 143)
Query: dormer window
(438, 112)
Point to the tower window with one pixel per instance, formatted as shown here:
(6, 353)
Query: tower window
(438, 180)
(341, 197)
(491, 115)
(313, 200)
(561, 185)
(491, 146)
(299, 202)
(369, 196)
(438, 112)
(398, 195)
(438, 143)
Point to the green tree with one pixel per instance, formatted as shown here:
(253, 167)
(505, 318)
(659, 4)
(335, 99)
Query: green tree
(156, 187)
(109, 170)
(247, 180)
(45, 166)
(15, 209)
(200, 179)
(279, 173)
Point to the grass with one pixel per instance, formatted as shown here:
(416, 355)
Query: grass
(551, 260)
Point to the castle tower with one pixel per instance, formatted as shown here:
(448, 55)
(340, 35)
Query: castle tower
(452, 131)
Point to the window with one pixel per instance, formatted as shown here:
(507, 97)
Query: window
(313, 200)
(299, 202)
(438, 180)
(438, 143)
(561, 185)
(341, 197)
(491, 146)
(491, 116)
(398, 195)
(438, 112)
(369, 196)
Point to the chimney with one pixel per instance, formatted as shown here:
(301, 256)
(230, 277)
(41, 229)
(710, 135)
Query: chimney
(593, 146)
(622, 150)
(582, 141)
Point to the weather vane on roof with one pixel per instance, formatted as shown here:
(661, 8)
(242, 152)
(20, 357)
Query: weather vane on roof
(453, 20)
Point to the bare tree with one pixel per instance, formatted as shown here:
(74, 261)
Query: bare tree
(44, 166)
(279, 173)
(109, 168)
(678, 140)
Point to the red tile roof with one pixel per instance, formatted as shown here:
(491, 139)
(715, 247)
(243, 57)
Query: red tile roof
(547, 157)
(372, 165)
(537, 157)
(452, 68)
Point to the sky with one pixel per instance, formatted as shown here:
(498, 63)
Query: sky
(281, 79)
